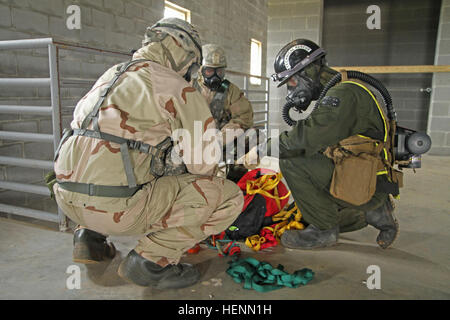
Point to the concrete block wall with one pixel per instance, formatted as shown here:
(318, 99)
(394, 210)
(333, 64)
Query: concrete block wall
(116, 25)
(439, 116)
(109, 24)
(407, 36)
(288, 20)
(232, 24)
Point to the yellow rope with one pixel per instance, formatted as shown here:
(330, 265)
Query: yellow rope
(254, 242)
(266, 183)
(285, 224)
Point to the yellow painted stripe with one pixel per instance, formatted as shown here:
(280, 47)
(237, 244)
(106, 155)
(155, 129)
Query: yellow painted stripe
(376, 102)
(384, 149)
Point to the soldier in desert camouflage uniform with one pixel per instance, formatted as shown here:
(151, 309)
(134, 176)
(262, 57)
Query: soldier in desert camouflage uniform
(230, 108)
(111, 167)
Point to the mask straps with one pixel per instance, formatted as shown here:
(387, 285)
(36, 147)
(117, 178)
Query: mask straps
(299, 66)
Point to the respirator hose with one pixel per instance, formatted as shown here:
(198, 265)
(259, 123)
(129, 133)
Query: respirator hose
(368, 79)
(285, 114)
(334, 81)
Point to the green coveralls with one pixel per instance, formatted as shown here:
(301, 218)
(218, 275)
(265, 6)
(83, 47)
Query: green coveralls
(350, 110)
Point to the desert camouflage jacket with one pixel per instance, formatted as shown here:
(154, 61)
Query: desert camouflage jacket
(148, 102)
(236, 108)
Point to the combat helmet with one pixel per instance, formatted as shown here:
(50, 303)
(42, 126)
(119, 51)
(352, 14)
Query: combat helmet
(294, 57)
(214, 56)
(183, 32)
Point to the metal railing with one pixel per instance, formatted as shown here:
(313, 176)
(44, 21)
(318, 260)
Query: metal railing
(55, 84)
(266, 92)
(55, 111)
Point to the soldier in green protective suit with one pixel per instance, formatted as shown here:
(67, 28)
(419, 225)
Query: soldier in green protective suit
(348, 112)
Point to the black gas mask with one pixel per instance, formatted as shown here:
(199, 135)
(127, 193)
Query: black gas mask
(213, 77)
(302, 90)
(192, 71)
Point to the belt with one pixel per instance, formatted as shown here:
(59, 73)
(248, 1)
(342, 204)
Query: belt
(100, 190)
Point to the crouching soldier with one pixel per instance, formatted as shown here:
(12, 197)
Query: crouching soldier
(338, 161)
(113, 169)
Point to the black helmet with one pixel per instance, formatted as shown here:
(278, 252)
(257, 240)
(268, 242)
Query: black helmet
(294, 57)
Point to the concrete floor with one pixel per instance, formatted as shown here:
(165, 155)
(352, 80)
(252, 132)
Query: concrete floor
(35, 257)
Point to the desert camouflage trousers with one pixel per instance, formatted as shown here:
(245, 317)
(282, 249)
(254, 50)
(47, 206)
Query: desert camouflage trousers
(174, 215)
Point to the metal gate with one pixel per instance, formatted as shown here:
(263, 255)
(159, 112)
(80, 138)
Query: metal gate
(54, 83)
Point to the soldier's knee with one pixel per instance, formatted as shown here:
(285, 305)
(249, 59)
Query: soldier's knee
(230, 189)
(68, 209)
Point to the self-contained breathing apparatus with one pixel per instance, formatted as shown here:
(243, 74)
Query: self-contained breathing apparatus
(409, 144)
(301, 56)
(363, 164)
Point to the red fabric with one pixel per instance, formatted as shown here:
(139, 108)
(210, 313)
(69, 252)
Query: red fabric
(194, 250)
(271, 204)
(270, 239)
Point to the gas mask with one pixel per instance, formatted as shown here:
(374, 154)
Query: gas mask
(191, 72)
(213, 77)
(302, 90)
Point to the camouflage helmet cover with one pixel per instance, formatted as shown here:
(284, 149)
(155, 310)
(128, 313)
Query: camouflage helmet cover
(214, 56)
(181, 30)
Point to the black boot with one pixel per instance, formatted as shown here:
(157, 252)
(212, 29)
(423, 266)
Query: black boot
(310, 238)
(143, 272)
(384, 220)
(91, 247)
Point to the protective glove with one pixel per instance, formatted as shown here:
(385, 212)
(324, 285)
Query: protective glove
(250, 160)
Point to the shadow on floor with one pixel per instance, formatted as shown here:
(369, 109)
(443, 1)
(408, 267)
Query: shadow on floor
(374, 250)
(105, 273)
